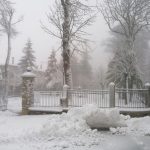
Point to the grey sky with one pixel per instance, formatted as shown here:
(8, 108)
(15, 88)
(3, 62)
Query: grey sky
(34, 11)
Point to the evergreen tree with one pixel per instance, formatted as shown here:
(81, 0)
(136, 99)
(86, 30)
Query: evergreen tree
(28, 60)
(53, 73)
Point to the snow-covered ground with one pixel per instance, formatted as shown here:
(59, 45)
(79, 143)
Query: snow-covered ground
(69, 131)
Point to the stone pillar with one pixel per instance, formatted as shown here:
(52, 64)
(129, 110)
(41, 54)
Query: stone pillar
(112, 94)
(147, 98)
(27, 90)
(64, 99)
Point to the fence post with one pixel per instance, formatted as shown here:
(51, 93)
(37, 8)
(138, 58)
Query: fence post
(64, 100)
(112, 94)
(147, 102)
(27, 90)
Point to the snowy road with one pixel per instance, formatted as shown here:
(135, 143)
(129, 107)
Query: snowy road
(58, 132)
(76, 142)
(127, 143)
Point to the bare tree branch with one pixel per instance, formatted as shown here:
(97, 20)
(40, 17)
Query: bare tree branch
(81, 16)
(7, 13)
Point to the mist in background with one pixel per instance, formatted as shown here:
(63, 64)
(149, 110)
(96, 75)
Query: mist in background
(35, 11)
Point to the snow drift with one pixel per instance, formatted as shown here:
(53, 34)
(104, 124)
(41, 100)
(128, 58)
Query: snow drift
(79, 120)
(63, 125)
(136, 126)
(103, 118)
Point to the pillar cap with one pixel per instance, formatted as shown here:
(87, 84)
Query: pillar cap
(112, 84)
(28, 73)
(66, 86)
(147, 84)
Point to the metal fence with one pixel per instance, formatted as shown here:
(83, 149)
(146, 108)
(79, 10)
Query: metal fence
(47, 98)
(2, 103)
(79, 98)
(76, 98)
(131, 98)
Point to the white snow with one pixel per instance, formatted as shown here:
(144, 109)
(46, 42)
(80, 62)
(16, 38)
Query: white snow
(45, 132)
(96, 117)
(103, 118)
(135, 126)
(68, 131)
(28, 74)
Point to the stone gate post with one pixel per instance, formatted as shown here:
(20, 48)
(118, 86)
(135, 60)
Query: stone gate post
(112, 94)
(147, 100)
(27, 90)
(64, 100)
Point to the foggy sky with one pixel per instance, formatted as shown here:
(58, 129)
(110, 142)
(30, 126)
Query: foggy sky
(33, 11)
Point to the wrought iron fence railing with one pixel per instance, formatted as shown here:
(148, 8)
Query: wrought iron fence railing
(131, 98)
(47, 98)
(79, 98)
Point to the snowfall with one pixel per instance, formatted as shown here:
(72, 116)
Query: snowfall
(72, 130)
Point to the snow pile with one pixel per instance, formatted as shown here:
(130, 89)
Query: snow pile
(60, 125)
(71, 131)
(135, 126)
(6, 114)
(79, 120)
(103, 118)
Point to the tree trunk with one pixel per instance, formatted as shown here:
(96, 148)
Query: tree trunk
(131, 87)
(125, 89)
(65, 43)
(6, 83)
(131, 67)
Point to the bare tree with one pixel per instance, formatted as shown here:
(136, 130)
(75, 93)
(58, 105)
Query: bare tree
(131, 16)
(7, 25)
(69, 18)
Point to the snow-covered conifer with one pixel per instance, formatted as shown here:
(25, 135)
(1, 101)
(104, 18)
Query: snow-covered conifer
(28, 60)
(53, 73)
